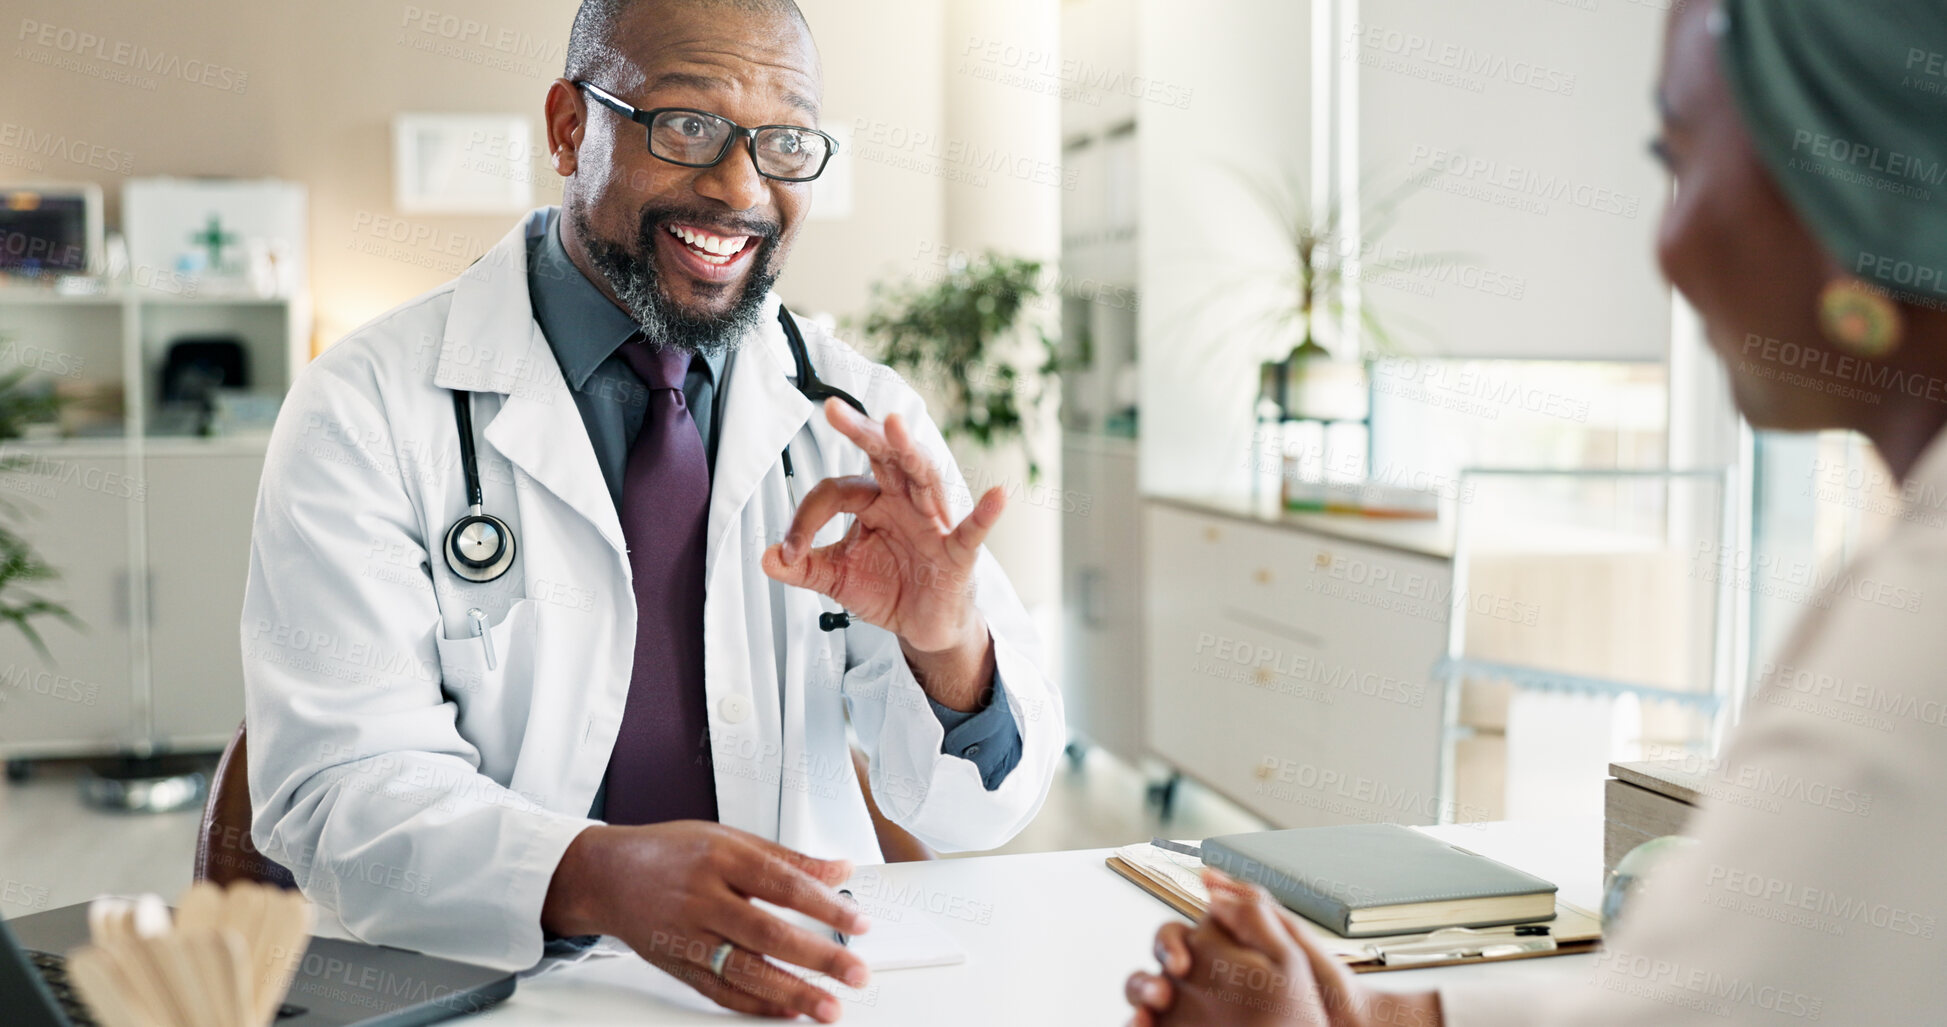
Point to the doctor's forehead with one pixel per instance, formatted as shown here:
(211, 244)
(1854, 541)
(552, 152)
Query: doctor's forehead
(753, 54)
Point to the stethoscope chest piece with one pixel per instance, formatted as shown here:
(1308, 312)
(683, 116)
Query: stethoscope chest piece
(479, 547)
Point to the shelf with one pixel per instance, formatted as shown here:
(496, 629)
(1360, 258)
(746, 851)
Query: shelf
(22, 295)
(164, 299)
(84, 445)
(114, 345)
(211, 445)
(35, 296)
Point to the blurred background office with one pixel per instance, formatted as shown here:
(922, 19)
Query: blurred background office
(1360, 466)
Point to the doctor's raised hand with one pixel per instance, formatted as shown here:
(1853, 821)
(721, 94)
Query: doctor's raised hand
(903, 565)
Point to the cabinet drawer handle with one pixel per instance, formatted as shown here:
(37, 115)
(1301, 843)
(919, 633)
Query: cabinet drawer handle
(1212, 533)
(1263, 575)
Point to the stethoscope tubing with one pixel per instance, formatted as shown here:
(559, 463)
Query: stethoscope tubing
(498, 564)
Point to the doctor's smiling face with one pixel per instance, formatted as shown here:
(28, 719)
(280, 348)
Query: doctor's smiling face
(689, 252)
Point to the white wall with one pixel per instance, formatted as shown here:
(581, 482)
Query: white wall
(1209, 254)
(1006, 122)
(1536, 116)
(885, 87)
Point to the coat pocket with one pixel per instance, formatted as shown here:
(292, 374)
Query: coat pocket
(491, 673)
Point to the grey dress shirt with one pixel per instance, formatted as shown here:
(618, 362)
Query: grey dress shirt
(585, 329)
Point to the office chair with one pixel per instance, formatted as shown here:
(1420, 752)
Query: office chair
(224, 851)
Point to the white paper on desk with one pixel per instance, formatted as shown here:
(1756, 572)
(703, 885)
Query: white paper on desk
(905, 944)
(889, 945)
(596, 965)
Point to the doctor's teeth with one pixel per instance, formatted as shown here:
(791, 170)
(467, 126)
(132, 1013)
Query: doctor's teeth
(719, 245)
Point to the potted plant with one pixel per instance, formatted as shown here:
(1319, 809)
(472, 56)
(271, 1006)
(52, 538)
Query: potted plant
(23, 405)
(1310, 287)
(21, 568)
(973, 339)
(1324, 256)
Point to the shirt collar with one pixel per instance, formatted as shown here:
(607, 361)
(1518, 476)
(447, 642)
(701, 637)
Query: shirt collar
(583, 326)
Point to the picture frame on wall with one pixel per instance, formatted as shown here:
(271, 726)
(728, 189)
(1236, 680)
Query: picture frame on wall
(462, 163)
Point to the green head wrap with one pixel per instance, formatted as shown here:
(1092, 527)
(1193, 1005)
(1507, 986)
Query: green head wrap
(1846, 101)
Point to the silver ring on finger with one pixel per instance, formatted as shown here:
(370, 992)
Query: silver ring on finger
(720, 958)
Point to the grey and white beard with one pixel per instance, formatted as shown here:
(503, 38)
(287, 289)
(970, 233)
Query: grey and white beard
(637, 283)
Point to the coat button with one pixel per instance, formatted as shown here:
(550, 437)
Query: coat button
(733, 709)
(971, 751)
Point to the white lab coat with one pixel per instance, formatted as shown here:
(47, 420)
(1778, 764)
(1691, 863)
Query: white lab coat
(422, 789)
(1816, 892)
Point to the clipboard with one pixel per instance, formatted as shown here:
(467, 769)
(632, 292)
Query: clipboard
(1574, 929)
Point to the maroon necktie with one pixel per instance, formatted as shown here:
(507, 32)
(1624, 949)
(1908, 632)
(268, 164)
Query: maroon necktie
(660, 769)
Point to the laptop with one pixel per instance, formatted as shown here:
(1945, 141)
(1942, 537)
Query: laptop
(339, 984)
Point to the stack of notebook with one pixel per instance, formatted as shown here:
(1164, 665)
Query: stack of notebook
(1373, 886)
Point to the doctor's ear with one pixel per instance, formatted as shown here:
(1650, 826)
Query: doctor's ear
(567, 118)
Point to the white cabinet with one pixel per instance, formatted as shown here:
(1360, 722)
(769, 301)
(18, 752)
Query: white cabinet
(201, 497)
(149, 532)
(74, 504)
(150, 660)
(1291, 669)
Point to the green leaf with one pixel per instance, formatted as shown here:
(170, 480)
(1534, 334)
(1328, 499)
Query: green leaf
(969, 339)
(24, 402)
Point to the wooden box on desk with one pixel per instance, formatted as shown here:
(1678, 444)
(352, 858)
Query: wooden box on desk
(1642, 801)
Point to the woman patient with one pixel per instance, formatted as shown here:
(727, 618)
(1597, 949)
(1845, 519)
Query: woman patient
(1808, 143)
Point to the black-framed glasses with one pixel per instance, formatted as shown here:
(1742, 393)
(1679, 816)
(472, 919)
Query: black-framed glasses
(700, 139)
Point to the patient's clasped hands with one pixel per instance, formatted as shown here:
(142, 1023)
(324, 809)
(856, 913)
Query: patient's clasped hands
(1250, 963)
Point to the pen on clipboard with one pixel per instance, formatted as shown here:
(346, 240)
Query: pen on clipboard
(1463, 943)
(1177, 847)
(837, 935)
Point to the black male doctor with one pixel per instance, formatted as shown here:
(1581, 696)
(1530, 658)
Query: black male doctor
(595, 697)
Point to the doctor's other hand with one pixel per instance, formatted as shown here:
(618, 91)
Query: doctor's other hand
(676, 891)
(1251, 963)
(903, 565)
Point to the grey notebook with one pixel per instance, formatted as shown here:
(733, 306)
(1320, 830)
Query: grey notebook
(1364, 880)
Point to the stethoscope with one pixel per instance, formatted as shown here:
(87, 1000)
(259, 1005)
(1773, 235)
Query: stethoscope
(480, 547)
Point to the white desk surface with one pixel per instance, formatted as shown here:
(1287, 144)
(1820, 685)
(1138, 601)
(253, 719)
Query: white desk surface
(1050, 937)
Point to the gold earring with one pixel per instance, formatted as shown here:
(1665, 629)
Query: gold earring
(1860, 317)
